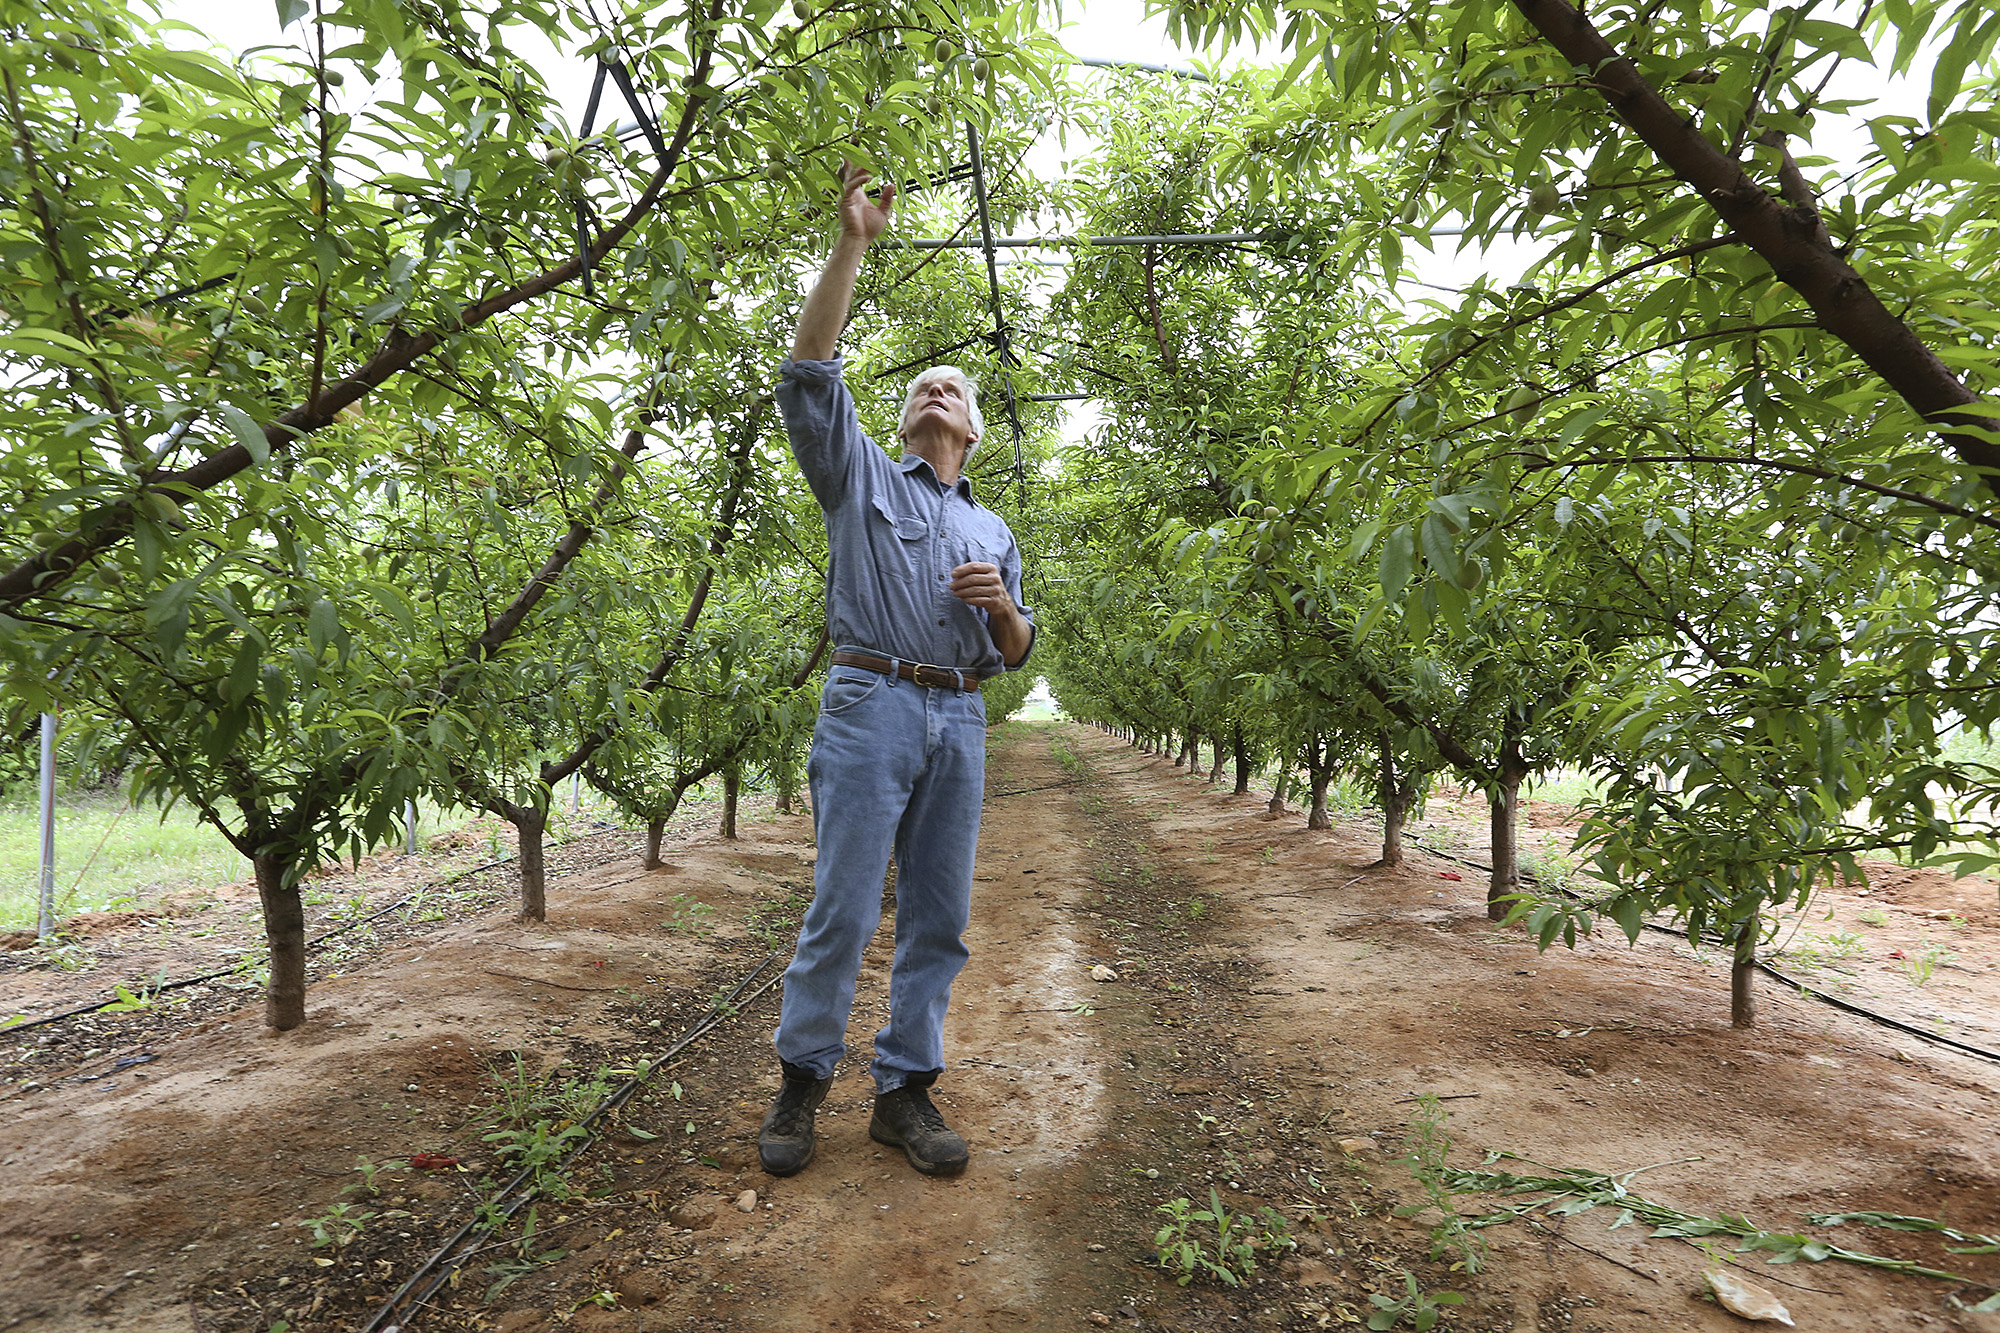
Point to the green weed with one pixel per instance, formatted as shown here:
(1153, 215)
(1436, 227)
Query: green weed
(684, 914)
(368, 1169)
(1920, 962)
(1414, 1305)
(1429, 1145)
(1214, 1242)
(776, 924)
(1811, 952)
(337, 1226)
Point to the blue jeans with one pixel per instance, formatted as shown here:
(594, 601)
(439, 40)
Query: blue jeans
(894, 765)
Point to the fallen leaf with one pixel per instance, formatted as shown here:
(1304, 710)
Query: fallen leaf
(1742, 1297)
(1103, 973)
(1449, 874)
(432, 1161)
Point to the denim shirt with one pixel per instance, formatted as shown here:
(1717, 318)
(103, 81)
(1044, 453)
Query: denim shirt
(894, 533)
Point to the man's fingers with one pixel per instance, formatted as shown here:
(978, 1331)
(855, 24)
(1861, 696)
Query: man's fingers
(888, 200)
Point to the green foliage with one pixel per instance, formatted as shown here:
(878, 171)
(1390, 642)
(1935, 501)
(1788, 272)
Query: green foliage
(1214, 1242)
(1571, 1190)
(1429, 1145)
(338, 1226)
(1415, 1306)
(1642, 514)
(332, 486)
(775, 924)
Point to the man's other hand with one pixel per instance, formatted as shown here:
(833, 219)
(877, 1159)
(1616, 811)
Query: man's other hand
(979, 584)
(859, 216)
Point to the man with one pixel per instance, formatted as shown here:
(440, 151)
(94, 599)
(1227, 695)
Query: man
(923, 600)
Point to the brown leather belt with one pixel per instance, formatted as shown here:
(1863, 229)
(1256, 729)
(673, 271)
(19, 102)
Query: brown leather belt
(933, 677)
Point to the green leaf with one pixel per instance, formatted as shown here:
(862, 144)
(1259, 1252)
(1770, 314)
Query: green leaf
(322, 623)
(291, 11)
(1399, 557)
(247, 432)
(1630, 914)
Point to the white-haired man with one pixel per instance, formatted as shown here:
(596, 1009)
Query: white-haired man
(923, 601)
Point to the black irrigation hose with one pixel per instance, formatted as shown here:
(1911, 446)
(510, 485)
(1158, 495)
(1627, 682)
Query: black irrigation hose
(1845, 1006)
(437, 1270)
(100, 1005)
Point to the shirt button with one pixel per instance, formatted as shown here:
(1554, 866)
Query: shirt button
(944, 622)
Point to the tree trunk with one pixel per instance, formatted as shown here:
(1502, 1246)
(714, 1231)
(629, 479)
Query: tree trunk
(285, 933)
(1215, 769)
(1320, 778)
(732, 788)
(1240, 749)
(1277, 805)
(530, 824)
(1506, 802)
(1396, 792)
(655, 830)
(787, 778)
(1742, 971)
(1180, 751)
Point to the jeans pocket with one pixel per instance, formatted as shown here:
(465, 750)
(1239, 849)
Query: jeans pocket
(844, 689)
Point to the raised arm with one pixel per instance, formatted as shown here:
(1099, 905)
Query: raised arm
(825, 313)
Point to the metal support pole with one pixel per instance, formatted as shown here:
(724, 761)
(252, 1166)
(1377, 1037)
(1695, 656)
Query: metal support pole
(409, 826)
(1000, 339)
(45, 922)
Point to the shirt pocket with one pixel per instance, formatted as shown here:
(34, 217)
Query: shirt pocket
(980, 547)
(896, 539)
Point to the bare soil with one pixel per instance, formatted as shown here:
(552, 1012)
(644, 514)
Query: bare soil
(1278, 1009)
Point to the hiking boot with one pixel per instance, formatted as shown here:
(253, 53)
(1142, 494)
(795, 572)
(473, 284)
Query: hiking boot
(906, 1119)
(785, 1143)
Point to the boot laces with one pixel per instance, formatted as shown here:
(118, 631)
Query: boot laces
(923, 1112)
(794, 1110)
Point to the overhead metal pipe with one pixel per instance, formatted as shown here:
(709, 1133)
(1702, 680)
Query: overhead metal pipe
(1177, 72)
(1027, 242)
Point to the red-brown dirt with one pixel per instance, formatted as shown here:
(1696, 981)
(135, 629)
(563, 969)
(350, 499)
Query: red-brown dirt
(1275, 1000)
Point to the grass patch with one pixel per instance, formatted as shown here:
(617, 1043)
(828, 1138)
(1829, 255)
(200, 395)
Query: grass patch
(108, 855)
(1564, 787)
(112, 855)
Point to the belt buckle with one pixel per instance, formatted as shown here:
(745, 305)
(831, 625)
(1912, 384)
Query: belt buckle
(936, 677)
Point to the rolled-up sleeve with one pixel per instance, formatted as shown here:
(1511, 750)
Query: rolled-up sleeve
(1010, 574)
(820, 421)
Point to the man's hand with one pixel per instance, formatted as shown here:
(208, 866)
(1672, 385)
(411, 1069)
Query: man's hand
(825, 311)
(979, 584)
(859, 217)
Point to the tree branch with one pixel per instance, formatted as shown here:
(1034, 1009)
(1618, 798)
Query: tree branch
(106, 527)
(1785, 236)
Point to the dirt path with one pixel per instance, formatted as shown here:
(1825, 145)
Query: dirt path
(1277, 1009)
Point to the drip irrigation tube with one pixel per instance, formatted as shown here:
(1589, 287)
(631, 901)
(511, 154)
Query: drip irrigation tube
(519, 1191)
(184, 982)
(1809, 992)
